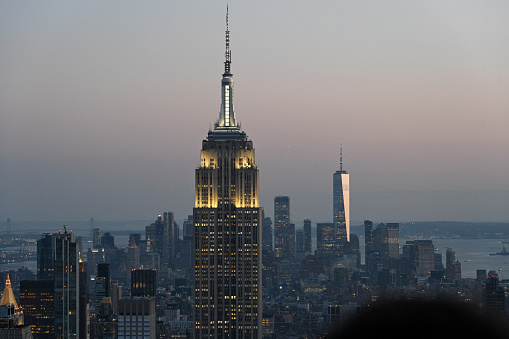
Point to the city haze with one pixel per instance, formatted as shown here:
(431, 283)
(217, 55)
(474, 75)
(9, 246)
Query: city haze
(103, 106)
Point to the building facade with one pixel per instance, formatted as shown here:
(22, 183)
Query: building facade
(341, 206)
(137, 318)
(37, 301)
(58, 261)
(227, 228)
(284, 230)
(307, 236)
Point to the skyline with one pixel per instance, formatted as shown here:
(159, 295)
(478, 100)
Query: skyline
(103, 106)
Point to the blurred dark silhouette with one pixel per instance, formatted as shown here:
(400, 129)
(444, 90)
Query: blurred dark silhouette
(437, 318)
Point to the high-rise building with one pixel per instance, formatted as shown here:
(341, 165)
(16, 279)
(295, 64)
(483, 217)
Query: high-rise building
(325, 240)
(299, 241)
(96, 238)
(162, 236)
(14, 314)
(368, 244)
(307, 236)
(494, 298)
(102, 284)
(284, 233)
(386, 240)
(84, 304)
(266, 235)
(11, 316)
(108, 240)
(45, 257)
(137, 318)
(106, 324)
(227, 228)
(59, 261)
(37, 301)
(341, 205)
(143, 283)
(421, 256)
(169, 220)
(452, 266)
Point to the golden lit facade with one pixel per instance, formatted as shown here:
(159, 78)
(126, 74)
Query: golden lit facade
(227, 230)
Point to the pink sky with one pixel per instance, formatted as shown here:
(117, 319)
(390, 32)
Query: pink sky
(103, 105)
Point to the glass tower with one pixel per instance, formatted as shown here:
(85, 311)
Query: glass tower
(341, 205)
(227, 228)
(58, 261)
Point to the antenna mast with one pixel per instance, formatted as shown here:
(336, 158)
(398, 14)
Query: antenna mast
(228, 53)
(341, 156)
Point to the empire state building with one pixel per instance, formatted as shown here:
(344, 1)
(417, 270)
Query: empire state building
(227, 228)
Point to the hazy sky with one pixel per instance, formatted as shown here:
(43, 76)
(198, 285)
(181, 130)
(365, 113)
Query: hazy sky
(104, 104)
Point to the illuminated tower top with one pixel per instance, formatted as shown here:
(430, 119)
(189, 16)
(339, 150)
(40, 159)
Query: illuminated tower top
(226, 126)
(8, 295)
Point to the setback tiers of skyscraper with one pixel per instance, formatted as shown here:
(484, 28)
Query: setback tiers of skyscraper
(227, 228)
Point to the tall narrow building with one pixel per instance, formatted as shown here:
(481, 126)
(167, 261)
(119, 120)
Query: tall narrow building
(307, 236)
(284, 233)
(58, 261)
(341, 205)
(227, 228)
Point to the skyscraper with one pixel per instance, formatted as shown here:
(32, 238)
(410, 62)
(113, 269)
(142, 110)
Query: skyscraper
(341, 205)
(267, 235)
(386, 240)
(143, 283)
(452, 266)
(368, 244)
(227, 228)
(58, 260)
(307, 236)
(37, 300)
(137, 318)
(325, 240)
(284, 233)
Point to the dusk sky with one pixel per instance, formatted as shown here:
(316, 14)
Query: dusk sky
(104, 104)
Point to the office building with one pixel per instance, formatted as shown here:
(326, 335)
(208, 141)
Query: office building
(143, 283)
(341, 205)
(284, 230)
(11, 316)
(494, 298)
(267, 235)
(307, 236)
(368, 245)
(106, 324)
(102, 284)
(452, 266)
(325, 241)
(137, 318)
(96, 238)
(299, 241)
(386, 240)
(421, 256)
(59, 261)
(227, 228)
(84, 304)
(108, 241)
(162, 237)
(37, 301)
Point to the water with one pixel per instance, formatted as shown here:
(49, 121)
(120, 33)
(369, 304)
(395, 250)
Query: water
(474, 254)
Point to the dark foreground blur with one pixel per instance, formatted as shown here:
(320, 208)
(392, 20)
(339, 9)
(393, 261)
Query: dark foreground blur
(417, 319)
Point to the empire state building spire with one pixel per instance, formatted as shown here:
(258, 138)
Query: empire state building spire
(228, 53)
(226, 121)
(227, 228)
